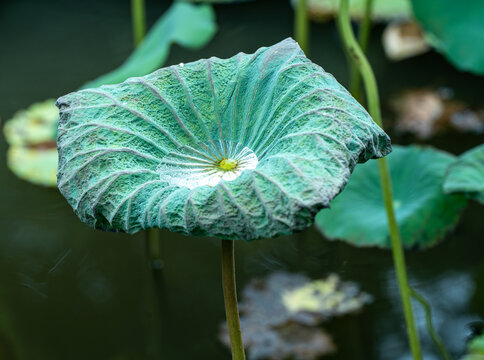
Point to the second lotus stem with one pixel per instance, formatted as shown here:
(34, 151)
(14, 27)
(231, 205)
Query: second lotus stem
(358, 57)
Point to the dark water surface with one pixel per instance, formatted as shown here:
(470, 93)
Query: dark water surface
(70, 292)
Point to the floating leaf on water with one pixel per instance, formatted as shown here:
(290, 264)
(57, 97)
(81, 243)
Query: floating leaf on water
(242, 148)
(190, 26)
(280, 314)
(425, 214)
(466, 175)
(31, 133)
(402, 40)
(35, 125)
(382, 10)
(37, 164)
(454, 28)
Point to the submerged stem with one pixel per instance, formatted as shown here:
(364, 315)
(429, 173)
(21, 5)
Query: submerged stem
(138, 18)
(301, 25)
(430, 328)
(371, 89)
(230, 299)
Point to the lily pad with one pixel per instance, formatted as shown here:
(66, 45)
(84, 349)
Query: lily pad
(454, 28)
(31, 133)
(382, 10)
(466, 175)
(191, 26)
(280, 314)
(424, 213)
(242, 148)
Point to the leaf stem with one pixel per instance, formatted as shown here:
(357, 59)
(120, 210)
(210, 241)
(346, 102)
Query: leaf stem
(153, 244)
(230, 299)
(371, 89)
(138, 17)
(430, 328)
(301, 25)
(363, 36)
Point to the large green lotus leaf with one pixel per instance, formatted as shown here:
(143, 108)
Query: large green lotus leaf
(424, 213)
(382, 10)
(191, 26)
(240, 148)
(456, 29)
(466, 175)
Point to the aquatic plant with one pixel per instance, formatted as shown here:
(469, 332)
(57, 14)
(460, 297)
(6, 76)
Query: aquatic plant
(357, 57)
(454, 29)
(282, 312)
(242, 148)
(31, 133)
(466, 175)
(423, 212)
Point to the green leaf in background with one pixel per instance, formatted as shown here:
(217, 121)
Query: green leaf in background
(190, 26)
(456, 29)
(423, 211)
(466, 175)
(240, 148)
(32, 132)
(383, 10)
(475, 349)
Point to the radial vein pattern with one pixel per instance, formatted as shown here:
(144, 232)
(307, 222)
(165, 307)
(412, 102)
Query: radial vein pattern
(240, 148)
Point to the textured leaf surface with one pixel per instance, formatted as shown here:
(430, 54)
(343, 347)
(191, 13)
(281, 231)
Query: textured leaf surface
(191, 26)
(242, 148)
(455, 29)
(423, 211)
(466, 175)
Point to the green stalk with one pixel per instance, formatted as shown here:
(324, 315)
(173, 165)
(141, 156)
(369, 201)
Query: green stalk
(153, 244)
(430, 328)
(230, 299)
(363, 36)
(138, 18)
(301, 25)
(372, 95)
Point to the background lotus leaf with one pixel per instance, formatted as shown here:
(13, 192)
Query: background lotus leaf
(242, 148)
(280, 314)
(466, 175)
(31, 133)
(454, 28)
(382, 10)
(423, 211)
(191, 26)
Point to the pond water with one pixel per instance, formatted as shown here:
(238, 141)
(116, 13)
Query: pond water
(70, 292)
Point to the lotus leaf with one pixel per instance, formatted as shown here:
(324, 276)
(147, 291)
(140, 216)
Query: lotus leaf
(281, 314)
(31, 134)
(191, 26)
(454, 28)
(242, 148)
(466, 175)
(382, 10)
(423, 211)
